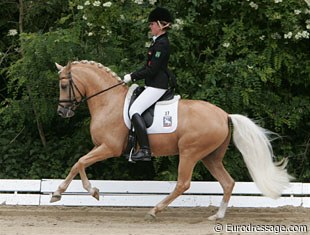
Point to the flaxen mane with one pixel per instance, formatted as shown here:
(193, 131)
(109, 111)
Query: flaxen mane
(99, 65)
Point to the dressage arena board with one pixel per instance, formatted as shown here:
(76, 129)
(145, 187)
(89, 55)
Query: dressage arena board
(146, 194)
(25, 209)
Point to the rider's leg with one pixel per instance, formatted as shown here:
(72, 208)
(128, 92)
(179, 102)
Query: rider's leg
(144, 153)
(147, 98)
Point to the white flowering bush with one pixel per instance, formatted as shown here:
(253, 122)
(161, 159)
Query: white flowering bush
(12, 32)
(115, 27)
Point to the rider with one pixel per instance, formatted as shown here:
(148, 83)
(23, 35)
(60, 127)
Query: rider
(156, 77)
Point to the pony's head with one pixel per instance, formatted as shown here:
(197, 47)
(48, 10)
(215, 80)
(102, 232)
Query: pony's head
(68, 100)
(73, 91)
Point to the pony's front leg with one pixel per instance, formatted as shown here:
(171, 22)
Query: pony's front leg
(97, 154)
(86, 184)
(65, 184)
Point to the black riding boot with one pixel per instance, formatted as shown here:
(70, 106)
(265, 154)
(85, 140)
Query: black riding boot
(144, 153)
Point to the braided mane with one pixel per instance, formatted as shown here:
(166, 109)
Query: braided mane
(99, 65)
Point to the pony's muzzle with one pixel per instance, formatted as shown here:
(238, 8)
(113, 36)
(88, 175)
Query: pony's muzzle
(65, 112)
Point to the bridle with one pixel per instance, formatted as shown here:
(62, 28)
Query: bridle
(72, 97)
(74, 102)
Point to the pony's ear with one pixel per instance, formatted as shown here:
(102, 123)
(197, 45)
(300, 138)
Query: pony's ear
(68, 67)
(59, 67)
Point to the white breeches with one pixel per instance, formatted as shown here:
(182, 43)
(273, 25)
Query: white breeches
(146, 99)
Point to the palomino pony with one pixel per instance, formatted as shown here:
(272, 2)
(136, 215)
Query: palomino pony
(203, 134)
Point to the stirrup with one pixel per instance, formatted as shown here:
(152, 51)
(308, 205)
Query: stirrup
(131, 144)
(130, 156)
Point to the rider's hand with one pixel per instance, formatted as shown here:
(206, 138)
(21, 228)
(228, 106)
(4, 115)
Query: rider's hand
(127, 78)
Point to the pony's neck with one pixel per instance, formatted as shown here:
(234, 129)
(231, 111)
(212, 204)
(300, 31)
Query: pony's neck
(93, 78)
(106, 109)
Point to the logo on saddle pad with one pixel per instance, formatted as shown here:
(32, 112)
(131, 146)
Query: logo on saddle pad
(160, 118)
(167, 120)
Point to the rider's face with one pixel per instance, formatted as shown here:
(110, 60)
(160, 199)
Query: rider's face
(155, 28)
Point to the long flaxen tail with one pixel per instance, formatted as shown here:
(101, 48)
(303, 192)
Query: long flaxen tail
(253, 143)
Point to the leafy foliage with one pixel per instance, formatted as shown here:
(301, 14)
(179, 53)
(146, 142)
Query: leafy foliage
(248, 57)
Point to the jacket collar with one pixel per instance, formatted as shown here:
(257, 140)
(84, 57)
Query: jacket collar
(156, 38)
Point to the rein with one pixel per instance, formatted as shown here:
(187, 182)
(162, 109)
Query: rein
(98, 93)
(74, 101)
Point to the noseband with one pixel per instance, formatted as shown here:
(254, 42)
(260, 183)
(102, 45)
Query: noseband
(72, 97)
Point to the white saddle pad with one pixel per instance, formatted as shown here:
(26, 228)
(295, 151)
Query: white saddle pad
(165, 114)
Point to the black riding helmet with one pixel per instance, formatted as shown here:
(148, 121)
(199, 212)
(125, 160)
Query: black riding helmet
(160, 14)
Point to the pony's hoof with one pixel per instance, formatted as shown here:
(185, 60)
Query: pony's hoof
(214, 217)
(55, 198)
(95, 193)
(150, 217)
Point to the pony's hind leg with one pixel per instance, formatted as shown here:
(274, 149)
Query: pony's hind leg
(213, 162)
(185, 170)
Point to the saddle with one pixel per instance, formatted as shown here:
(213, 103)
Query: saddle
(148, 115)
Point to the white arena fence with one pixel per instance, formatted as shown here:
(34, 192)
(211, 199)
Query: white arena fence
(146, 194)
